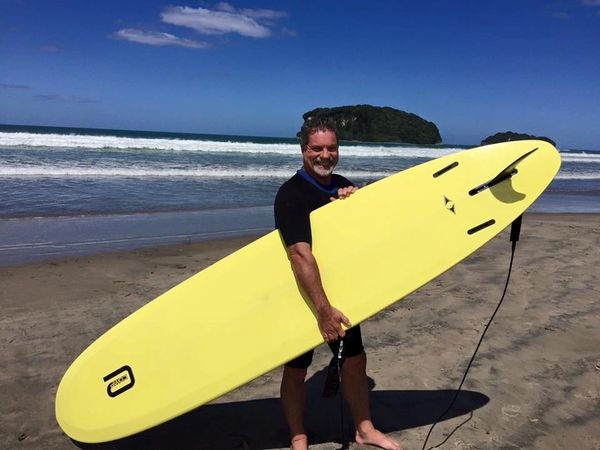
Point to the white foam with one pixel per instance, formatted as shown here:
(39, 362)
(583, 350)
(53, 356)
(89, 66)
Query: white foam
(64, 141)
(75, 141)
(206, 172)
(124, 172)
(581, 157)
(578, 175)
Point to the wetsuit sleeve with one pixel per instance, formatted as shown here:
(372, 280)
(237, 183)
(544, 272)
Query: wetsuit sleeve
(292, 217)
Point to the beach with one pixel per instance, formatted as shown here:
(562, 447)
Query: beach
(143, 145)
(535, 382)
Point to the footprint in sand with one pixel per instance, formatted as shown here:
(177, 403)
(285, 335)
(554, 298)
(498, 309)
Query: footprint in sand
(511, 410)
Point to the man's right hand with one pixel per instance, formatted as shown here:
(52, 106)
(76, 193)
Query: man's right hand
(330, 324)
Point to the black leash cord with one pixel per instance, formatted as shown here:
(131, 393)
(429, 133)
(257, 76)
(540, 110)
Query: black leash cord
(339, 363)
(514, 237)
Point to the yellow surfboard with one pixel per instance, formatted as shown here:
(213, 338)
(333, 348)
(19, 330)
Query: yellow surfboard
(245, 315)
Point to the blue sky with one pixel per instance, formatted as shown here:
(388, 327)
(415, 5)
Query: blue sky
(253, 67)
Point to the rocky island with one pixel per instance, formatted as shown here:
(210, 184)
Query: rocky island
(512, 136)
(379, 124)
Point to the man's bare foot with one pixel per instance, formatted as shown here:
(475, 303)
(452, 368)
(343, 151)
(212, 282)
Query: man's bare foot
(376, 438)
(299, 442)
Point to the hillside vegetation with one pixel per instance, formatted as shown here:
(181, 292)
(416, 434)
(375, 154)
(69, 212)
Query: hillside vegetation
(379, 124)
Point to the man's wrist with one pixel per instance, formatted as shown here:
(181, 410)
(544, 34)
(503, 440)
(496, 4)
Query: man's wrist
(324, 309)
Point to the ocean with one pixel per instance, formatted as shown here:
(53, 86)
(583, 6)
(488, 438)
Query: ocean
(57, 177)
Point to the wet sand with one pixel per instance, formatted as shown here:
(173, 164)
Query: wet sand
(535, 382)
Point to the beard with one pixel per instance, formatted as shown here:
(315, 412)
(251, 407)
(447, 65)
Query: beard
(323, 168)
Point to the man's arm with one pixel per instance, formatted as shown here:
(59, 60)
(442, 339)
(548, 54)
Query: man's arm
(307, 273)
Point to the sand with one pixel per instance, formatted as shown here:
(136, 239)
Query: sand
(535, 383)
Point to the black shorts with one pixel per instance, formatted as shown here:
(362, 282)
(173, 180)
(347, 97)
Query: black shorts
(353, 346)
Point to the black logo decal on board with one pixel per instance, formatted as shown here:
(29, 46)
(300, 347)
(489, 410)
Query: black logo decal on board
(119, 381)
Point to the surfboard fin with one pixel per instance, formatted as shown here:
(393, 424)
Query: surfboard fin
(505, 174)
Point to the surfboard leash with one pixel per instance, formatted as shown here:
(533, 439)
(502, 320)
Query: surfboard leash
(515, 231)
(339, 362)
(333, 382)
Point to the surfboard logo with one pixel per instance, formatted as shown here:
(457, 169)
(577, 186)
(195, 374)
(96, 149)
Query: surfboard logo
(119, 381)
(450, 206)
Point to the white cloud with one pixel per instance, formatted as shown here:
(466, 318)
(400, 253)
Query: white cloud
(224, 6)
(223, 19)
(263, 13)
(65, 98)
(226, 20)
(591, 2)
(560, 15)
(14, 86)
(254, 13)
(289, 32)
(156, 38)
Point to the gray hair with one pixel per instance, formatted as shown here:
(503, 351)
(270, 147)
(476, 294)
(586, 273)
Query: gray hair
(313, 124)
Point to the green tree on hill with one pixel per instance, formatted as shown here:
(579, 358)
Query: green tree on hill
(512, 136)
(379, 124)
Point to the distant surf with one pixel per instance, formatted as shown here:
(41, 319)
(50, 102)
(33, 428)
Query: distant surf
(48, 171)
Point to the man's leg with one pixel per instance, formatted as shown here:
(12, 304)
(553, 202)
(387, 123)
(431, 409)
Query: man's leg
(293, 393)
(355, 388)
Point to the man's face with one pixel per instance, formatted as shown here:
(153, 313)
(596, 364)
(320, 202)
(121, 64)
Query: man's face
(321, 155)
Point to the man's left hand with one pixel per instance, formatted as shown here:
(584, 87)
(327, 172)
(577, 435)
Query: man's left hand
(345, 193)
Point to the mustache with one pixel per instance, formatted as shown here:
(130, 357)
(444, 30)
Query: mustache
(323, 160)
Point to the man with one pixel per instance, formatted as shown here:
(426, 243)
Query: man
(314, 186)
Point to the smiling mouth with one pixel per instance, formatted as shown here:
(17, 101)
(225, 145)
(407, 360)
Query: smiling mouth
(326, 164)
(324, 167)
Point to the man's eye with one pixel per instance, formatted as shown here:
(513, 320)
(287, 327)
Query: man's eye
(320, 149)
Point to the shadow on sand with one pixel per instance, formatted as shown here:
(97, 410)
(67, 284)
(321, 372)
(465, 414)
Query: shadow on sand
(259, 424)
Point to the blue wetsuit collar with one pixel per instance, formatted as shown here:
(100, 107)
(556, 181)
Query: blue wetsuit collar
(331, 189)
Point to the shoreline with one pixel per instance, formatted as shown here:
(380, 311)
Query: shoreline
(534, 383)
(39, 239)
(44, 239)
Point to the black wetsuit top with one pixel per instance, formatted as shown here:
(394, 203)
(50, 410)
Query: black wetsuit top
(295, 200)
